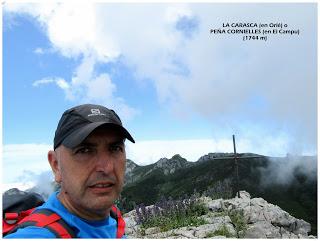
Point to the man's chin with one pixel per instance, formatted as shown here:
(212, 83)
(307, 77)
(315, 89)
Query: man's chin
(102, 202)
(102, 210)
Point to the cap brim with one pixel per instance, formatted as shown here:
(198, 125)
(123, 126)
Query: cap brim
(78, 136)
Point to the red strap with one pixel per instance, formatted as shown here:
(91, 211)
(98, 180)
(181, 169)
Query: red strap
(121, 227)
(11, 220)
(11, 216)
(52, 222)
(18, 216)
(41, 220)
(49, 221)
(57, 227)
(120, 222)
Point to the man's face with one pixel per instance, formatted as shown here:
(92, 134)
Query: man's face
(92, 174)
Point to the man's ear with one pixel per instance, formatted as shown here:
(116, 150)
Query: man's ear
(55, 165)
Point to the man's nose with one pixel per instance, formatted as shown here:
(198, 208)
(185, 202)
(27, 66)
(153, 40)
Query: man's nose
(104, 162)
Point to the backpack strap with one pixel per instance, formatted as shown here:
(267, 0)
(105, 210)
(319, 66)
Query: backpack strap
(116, 214)
(11, 220)
(48, 219)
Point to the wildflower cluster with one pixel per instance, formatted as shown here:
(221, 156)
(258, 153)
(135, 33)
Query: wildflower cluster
(170, 214)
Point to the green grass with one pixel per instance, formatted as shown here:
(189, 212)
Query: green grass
(223, 231)
(172, 222)
(239, 222)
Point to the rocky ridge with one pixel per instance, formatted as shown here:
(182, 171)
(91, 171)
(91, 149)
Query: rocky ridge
(261, 220)
(130, 167)
(169, 166)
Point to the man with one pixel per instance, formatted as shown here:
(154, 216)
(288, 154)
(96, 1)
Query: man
(88, 161)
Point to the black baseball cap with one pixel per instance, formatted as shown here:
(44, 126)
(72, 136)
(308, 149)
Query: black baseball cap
(78, 122)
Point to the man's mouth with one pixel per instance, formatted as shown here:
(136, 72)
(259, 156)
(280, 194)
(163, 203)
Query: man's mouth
(101, 187)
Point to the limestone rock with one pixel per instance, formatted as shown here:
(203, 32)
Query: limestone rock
(262, 229)
(255, 218)
(215, 205)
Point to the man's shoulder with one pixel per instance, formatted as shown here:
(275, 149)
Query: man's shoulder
(48, 209)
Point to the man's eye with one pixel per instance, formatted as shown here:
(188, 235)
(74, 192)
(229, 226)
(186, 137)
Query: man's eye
(116, 148)
(84, 150)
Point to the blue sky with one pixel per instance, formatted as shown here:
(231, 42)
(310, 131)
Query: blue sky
(178, 88)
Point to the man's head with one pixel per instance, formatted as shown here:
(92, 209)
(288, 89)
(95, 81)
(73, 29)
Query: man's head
(89, 159)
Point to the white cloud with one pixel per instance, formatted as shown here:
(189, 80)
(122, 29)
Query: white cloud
(20, 185)
(214, 76)
(88, 86)
(175, 11)
(60, 82)
(19, 158)
(70, 28)
(101, 87)
(284, 171)
(43, 81)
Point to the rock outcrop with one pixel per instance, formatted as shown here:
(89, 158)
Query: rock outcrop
(243, 217)
(169, 166)
(130, 167)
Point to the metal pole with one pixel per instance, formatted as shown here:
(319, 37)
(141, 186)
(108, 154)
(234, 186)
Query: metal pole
(236, 166)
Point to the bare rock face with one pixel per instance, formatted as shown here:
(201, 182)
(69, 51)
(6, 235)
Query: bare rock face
(169, 166)
(130, 167)
(240, 217)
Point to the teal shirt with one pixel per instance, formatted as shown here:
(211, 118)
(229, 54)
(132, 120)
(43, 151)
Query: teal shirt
(83, 228)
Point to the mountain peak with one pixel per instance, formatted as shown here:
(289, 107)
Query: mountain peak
(169, 166)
